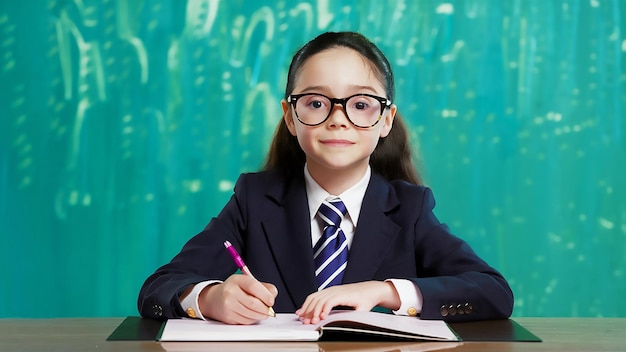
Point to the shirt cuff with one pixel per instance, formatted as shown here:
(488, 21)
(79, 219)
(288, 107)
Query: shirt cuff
(410, 297)
(190, 302)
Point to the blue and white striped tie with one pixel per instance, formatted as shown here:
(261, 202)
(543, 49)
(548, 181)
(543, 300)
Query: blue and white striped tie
(331, 251)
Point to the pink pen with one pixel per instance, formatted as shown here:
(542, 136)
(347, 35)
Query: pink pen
(244, 268)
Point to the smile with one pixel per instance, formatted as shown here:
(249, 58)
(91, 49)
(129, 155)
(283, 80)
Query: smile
(337, 142)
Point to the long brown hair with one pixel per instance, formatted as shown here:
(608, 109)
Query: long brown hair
(392, 157)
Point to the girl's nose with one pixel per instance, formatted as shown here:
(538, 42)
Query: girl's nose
(338, 116)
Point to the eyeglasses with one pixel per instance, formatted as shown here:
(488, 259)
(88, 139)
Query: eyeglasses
(362, 110)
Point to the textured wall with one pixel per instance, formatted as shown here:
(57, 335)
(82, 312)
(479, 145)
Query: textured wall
(124, 124)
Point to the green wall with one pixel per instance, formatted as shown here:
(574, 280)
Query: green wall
(124, 124)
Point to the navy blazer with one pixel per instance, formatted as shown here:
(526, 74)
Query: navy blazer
(397, 236)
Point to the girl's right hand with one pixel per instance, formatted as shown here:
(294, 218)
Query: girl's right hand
(240, 299)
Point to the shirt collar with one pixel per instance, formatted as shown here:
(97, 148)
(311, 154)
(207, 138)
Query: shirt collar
(352, 197)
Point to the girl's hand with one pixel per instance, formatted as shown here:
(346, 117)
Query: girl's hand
(239, 300)
(361, 296)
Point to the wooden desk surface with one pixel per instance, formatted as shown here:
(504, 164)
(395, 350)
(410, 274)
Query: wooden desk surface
(89, 334)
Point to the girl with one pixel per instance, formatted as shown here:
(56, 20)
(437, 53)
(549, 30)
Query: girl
(338, 216)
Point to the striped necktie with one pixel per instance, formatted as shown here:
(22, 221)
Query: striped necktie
(331, 251)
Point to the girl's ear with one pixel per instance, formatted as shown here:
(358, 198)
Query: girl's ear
(288, 117)
(387, 121)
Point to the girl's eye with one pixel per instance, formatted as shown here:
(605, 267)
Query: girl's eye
(360, 105)
(316, 104)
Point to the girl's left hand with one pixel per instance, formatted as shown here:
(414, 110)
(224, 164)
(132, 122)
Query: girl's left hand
(360, 296)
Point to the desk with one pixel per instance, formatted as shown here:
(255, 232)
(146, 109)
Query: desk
(89, 334)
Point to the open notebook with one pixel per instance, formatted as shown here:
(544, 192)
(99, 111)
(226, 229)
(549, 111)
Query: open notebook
(287, 327)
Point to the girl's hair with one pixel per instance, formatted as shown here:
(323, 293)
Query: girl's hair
(392, 157)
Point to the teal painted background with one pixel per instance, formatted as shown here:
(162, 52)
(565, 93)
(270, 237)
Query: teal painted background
(124, 124)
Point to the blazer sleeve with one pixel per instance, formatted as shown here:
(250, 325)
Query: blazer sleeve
(456, 284)
(202, 258)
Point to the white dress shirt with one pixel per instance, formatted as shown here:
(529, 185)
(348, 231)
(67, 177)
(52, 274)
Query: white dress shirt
(410, 295)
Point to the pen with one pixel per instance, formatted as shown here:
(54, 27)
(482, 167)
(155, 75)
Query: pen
(244, 269)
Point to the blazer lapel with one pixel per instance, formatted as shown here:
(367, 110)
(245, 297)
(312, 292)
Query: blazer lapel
(288, 232)
(375, 232)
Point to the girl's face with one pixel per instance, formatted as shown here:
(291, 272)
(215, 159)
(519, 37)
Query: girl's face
(336, 147)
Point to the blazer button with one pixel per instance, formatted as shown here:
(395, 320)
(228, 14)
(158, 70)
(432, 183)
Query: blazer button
(467, 308)
(443, 311)
(459, 309)
(158, 310)
(452, 310)
(191, 312)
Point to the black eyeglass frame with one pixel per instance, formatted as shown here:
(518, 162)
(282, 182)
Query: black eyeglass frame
(384, 103)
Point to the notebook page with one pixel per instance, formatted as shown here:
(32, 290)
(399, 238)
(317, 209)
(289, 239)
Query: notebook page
(285, 327)
(400, 323)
